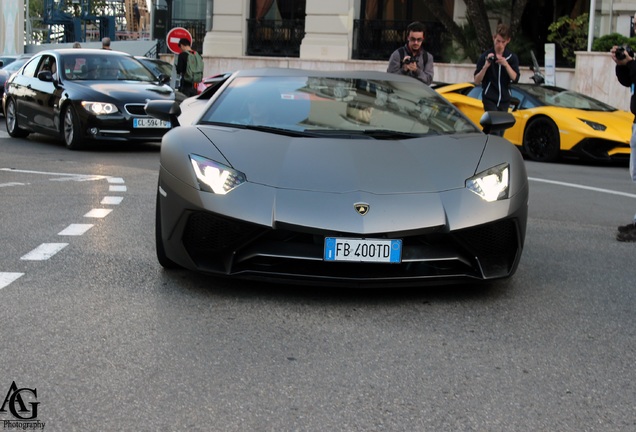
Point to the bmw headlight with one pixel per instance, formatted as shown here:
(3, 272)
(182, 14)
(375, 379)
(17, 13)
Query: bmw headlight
(100, 108)
(215, 177)
(492, 184)
(594, 125)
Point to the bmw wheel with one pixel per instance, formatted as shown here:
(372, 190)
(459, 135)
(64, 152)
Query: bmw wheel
(541, 141)
(71, 128)
(11, 117)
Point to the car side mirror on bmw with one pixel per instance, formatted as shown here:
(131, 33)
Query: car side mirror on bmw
(45, 75)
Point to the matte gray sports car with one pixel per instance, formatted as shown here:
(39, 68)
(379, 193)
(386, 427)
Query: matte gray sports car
(354, 178)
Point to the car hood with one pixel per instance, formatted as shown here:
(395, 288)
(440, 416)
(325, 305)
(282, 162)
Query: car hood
(607, 118)
(128, 91)
(430, 164)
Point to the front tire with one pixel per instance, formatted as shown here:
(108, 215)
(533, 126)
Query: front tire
(71, 129)
(11, 117)
(541, 140)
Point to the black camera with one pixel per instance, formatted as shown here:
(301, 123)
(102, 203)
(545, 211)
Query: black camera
(491, 59)
(409, 60)
(620, 52)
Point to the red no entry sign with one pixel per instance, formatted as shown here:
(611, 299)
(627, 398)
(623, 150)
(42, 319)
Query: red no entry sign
(173, 37)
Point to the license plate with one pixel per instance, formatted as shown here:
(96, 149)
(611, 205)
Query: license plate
(150, 123)
(363, 250)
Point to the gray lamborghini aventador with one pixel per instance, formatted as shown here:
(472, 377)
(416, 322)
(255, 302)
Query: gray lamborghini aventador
(348, 178)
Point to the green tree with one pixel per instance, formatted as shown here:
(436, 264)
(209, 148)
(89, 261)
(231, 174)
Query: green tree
(478, 20)
(570, 35)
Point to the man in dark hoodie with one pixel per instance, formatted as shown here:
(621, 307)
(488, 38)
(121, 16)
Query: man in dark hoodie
(496, 69)
(411, 59)
(626, 74)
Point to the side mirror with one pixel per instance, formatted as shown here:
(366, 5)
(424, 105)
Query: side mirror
(164, 79)
(166, 110)
(45, 75)
(514, 104)
(493, 121)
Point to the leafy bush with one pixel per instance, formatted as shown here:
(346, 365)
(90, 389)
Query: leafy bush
(605, 43)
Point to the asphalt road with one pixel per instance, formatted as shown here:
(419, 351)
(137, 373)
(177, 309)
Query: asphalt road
(102, 338)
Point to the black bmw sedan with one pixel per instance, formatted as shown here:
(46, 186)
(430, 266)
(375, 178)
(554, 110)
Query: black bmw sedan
(84, 95)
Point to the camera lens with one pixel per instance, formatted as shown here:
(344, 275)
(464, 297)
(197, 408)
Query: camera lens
(620, 53)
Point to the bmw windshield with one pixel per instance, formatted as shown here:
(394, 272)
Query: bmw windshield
(96, 67)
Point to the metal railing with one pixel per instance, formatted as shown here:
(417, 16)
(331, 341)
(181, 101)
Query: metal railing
(275, 38)
(377, 39)
(196, 29)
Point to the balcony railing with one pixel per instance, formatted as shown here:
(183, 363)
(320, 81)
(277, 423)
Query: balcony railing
(196, 29)
(274, 38)
(377, 39)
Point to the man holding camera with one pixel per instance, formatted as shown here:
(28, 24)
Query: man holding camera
(411, 59)
(496, 69)
(626, 74)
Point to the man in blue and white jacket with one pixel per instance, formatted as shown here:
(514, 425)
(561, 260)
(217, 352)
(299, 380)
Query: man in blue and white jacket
(496, 69)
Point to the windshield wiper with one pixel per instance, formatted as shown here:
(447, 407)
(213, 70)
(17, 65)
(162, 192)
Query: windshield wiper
(260, 128)
(389, 134)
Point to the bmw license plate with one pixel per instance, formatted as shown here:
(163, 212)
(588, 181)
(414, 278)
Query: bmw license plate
(363, 250)
(150, 123)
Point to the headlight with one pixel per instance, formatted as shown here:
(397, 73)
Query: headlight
(492, 184)
(100, 108)
(215, 177)
(594, 125)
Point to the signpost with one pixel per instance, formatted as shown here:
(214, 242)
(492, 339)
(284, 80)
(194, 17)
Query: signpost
(550, 64)
(173, 37)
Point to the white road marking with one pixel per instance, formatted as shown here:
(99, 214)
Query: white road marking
(44, 251)
(47, 250)
(7, 278)
(98, 213)
(75, 229)
(112, 200)
(576, 186)
(12, 184)
(65, 176)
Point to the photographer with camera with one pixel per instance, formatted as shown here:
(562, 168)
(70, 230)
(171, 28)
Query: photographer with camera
(496, 69)
(626, 74)
(411, 59)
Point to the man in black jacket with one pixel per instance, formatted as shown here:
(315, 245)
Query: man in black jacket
(496, 69)
(626, 74)
(185, 87)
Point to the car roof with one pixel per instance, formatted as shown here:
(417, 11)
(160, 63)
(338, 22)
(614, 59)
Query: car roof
(353, 74)
(84, 51)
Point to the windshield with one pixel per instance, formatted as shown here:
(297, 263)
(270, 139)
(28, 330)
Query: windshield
(555, 96)
(321, 105)
(96, 67)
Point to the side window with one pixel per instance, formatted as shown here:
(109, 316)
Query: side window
(48, 64)
(475, 92)
(31, 67)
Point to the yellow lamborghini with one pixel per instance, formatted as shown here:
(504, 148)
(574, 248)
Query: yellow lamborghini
(551, 121)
